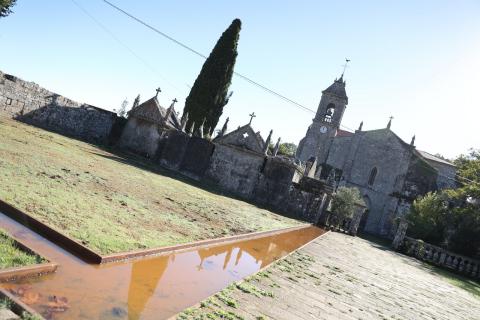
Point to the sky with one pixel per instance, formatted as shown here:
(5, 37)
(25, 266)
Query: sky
(418, 61)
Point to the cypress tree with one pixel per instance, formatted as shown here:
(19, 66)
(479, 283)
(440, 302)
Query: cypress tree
(6, 7)
(209, 93)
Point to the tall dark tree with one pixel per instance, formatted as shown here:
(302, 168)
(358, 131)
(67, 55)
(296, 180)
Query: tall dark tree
(209, 93)
(6, 7)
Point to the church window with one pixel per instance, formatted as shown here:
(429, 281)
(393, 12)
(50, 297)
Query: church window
(329, 113)
(373, 175)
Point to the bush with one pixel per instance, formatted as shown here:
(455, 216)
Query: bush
(345, 201)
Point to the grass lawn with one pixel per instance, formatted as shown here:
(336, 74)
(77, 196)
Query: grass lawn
(11, 256)
(114, 203)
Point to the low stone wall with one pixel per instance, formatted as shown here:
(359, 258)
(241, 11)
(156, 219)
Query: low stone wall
(30, 103)
(440, 257)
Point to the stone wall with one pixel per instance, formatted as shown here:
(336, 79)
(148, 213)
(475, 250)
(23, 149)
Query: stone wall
(273, 182)
(234, 169)
(30, 103)
(440, 257)
(140, 136)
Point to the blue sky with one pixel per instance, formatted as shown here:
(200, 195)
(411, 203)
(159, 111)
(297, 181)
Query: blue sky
(418, 61)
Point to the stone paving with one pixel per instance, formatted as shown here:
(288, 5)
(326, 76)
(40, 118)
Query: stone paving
(6, 314)
(341, 277)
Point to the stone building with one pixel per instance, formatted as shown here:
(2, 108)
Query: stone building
(145, 126)
(388, 172)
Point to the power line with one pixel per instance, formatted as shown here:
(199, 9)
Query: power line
(251, 81)
(117, 39)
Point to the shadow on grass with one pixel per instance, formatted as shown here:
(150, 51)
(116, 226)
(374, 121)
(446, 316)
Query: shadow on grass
(142, 163)
(376, 241)
(457, 280)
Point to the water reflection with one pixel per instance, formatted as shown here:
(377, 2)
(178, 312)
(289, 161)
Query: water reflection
(150, 288)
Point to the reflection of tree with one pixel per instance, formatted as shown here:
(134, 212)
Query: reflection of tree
(146, 275)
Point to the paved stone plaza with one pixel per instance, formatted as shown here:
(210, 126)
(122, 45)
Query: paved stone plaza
(343, 277)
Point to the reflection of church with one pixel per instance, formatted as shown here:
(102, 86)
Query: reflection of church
(147, 274)
(389, 172)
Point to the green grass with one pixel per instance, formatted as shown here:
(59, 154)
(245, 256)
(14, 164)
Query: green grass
(11, 256)
(457, 280)
(113, 203)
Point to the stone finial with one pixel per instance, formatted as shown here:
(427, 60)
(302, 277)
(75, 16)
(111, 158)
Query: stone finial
(192, 128)
(169, 113)
(199, 131)
(184, 121)
(277, 146)
(224, 128)
(158, 90)
(412, 143)
(389, 124)
(267, 142)
(360, 127)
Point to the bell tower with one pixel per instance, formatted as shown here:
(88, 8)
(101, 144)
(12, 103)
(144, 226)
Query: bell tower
(320, 133)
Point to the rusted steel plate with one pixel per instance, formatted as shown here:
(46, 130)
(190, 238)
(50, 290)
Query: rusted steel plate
(51, 234)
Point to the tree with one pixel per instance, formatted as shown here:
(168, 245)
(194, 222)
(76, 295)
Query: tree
(209, 93)
(451, 218)
(6, 7)
(345, 201)
(122, 112)
(287, 149)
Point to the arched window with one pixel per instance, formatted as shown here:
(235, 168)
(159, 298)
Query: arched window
(373, 175)
(329, 113)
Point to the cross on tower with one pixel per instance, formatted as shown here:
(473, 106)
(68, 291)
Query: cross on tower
(345, 66)
(158, 91)
(391, 118)
(252, 115)
(174, 100)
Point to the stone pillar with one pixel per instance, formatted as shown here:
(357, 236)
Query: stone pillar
(323, 213)
(357, 217)
(400, 234)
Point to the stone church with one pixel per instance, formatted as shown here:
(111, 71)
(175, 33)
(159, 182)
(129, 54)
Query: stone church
(389, 172)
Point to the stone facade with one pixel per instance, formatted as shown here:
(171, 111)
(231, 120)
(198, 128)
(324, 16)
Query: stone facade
(30, 103)
(388, 172)
(145, 126)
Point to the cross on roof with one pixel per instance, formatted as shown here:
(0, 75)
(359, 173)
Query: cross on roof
(158, 90)
(252, 115)
(175, 100)
(391, 118)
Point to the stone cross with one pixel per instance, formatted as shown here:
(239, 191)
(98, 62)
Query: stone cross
(174, 100)
(158, 90)
(252, 115)
(390, 122)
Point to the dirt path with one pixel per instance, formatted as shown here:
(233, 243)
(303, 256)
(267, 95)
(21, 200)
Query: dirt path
(341, 277)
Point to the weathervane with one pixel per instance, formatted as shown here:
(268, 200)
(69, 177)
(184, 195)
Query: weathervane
(345, 66)
(252, 115)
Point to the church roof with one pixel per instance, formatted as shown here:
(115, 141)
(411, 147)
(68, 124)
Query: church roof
(337, 88)
(431, 157)
(422, 154)
(343, 133)
(152, 111)
(244, 137)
